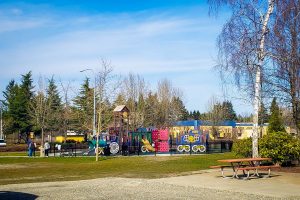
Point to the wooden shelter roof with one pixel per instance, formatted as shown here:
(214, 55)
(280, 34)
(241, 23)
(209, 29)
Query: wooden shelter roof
(121, 108)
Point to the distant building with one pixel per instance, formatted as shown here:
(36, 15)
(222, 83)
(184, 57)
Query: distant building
(219, 130)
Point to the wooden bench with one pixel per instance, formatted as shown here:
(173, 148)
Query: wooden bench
(256, 168)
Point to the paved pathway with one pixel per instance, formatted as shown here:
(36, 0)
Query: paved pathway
(201, 185)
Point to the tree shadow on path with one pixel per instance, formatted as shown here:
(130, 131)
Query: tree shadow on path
(8, 195)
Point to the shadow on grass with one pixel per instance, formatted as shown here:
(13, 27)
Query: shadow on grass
(8, 195)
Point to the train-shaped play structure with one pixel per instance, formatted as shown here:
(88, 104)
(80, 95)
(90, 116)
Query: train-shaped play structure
(119, 139)
(159, 141)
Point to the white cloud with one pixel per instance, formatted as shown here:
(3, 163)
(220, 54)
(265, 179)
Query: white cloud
(149, 46)
(178, 48)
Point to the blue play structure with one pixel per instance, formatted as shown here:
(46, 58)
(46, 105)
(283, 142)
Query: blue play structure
(192, 140)
(106, 143)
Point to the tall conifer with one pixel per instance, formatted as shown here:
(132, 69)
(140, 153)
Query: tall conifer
(24, 97)
(275, 121)
(55, 106)
(84, 104)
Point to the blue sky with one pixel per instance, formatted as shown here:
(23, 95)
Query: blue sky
(157, 39)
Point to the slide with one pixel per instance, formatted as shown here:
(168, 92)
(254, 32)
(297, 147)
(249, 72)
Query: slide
(147, 145)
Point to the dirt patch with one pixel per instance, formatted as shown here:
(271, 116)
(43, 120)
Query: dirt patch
(12, 166)
(22, 166)
(186, 173)
(161, 158)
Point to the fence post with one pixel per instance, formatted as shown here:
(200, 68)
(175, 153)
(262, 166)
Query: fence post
(54, 149)
(72, 149)
(207, 146)
(190, 148)
(171, 145)
(75, 149)
(221, 147)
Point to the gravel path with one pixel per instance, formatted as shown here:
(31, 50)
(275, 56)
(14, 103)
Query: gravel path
(118, 188)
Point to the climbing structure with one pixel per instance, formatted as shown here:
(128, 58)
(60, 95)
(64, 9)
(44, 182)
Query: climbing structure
(121, 123)
(160, 138)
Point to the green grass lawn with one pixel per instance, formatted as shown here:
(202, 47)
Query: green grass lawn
(19, 153)
(21, 170)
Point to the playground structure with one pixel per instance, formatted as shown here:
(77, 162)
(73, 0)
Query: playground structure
(158, 141)
(192, 140)
(183, 137)
(119, 140)
(75, 138)
(106, 143)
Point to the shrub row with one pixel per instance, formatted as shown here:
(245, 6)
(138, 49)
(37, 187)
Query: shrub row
(14, 148)
(280, 146)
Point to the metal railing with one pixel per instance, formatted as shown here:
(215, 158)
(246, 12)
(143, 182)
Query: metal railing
(82, 149)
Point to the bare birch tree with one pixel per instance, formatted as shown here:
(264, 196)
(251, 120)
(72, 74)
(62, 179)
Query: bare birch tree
(40, 108)
(168, 99)
(66, 116)
(215, 114)
(284, 48)
(135, 90)
(106, 89)
(242, 47)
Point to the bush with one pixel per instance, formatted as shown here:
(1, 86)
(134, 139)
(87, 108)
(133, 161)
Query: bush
(243, 147)
(14, 148)
(71, 141)
(280, 146)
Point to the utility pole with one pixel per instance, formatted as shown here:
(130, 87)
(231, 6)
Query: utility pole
(94, 120)
(97, 145)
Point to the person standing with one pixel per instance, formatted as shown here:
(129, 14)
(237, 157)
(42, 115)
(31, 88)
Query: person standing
(34, 148)
(47, 148)
(30, 148)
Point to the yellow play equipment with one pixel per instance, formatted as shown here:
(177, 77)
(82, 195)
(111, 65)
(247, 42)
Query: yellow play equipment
(146, 146)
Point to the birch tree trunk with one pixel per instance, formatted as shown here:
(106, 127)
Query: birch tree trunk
(257, 95)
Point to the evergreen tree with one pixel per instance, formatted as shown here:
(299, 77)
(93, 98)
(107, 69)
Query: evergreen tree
(244, 118)
(262, 114)
(9, 95)
(275, 120)
(55, 107)
(190, 117)
(132, 106)
(83, 106)
(9, 106)
(194, 115)
(204, 116)
(120, 100)
(24, 97)
(228, 111)
(17, 105)
(152, 110)
(141, 110)
(198, 114)
(178, 110)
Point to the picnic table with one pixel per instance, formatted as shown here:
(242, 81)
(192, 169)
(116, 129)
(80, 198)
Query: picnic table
(245, 165)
